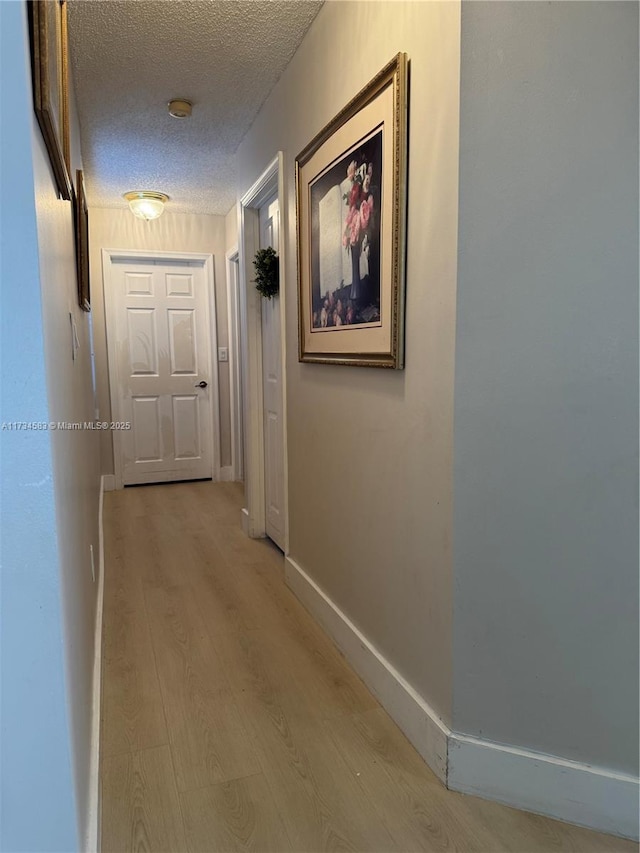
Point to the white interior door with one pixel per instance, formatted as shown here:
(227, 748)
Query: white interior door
(272, 388)
(158, 328)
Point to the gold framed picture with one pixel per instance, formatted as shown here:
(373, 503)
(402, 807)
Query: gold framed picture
(351, 204)
(81, 217)
(48, 31)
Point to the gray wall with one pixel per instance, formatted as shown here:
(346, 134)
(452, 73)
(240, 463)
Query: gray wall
(49, 497)
(76, 460)
(546, 395)
(369, 451)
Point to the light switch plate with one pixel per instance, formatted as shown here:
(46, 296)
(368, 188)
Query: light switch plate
(223, 354)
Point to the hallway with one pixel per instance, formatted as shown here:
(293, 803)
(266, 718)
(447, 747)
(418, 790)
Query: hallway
(231, 722)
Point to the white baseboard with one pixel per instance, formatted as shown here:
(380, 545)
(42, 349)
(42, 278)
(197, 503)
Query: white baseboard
(568, 790)
(548, 785)
(92, 841)
(244, 521)
(418, 721)
(226, 474)
(109, 482)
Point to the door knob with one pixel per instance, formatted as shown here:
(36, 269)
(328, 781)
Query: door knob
(202, 384)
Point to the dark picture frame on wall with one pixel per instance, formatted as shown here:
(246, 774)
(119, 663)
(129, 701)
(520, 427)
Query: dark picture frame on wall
(81, 218)
(351, 206)
(49, 66)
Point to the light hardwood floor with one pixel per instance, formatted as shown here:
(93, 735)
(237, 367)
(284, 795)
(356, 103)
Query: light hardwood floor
(230, 721)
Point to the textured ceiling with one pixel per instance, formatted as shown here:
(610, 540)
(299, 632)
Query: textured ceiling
(130, 57)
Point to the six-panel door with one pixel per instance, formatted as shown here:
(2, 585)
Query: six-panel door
(162, 346)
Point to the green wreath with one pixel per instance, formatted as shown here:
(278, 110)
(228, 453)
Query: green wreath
(267, 278)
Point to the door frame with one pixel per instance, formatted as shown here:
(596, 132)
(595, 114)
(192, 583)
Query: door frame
(138, 255)
(235, 362)
(269, 182)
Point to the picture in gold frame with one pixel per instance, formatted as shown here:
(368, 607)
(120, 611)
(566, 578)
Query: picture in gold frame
(48, 32)
(351, 203)
(81, 217)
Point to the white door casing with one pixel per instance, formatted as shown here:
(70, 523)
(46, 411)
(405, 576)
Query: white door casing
(272, 387)
(160, 334)
(235, 363)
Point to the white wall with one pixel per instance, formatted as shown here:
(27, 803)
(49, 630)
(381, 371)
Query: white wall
(231, 229)
(546, 405)
(50, 488)
(370, 465)
(172, 232)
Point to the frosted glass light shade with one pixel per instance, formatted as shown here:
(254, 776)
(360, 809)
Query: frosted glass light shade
(145, 204)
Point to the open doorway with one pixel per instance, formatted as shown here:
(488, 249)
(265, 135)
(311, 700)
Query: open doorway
(235, 363)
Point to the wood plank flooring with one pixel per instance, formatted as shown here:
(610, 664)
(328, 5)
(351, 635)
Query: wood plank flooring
(231, 723)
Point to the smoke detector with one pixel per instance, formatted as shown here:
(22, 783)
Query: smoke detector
(179, 108)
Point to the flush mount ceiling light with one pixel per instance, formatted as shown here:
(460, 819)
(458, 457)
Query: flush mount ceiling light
(146, 204)
(179, 108)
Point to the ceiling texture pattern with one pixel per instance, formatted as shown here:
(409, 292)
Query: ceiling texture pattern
(130, 57)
